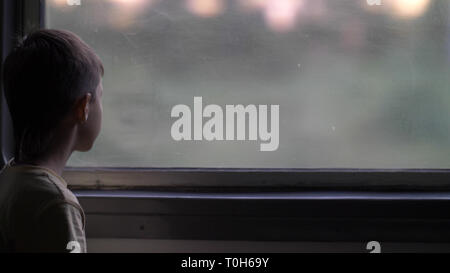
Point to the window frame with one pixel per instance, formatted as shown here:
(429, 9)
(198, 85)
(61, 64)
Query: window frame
(30, 15)
(263, 180)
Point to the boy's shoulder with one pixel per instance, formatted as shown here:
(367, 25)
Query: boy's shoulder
(34, 188)
(35, 203)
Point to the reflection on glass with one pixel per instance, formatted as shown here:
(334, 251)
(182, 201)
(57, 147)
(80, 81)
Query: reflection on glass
(409, 8)
(281, 15)
(205, 8)
(358, 86)
(58, 3)
(122, 13)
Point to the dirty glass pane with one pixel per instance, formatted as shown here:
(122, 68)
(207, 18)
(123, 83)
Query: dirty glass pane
(359, 83)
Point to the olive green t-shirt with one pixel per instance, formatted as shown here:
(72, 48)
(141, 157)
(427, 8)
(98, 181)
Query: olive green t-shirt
(38, 213)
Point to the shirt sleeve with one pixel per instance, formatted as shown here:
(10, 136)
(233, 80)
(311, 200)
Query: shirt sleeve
(58, 228)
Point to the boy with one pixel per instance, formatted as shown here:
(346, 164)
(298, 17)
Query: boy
(52, 84)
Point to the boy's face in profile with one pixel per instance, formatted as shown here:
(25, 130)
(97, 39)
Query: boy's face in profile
(90, 128)
(63, 87)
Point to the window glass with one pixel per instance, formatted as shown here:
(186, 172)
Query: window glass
(359, 83)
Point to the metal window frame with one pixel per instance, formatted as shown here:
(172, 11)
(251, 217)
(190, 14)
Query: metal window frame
(24, 16)
(10, 27)
(264, 180)
(18, 17)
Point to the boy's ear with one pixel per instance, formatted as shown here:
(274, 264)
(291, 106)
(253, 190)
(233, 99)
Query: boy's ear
(82, 108)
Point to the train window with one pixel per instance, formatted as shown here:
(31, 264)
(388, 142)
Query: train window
(268, 83)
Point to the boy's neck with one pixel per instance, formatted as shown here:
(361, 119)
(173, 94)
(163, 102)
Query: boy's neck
(58, 154)
(53, 164)
(56, 163)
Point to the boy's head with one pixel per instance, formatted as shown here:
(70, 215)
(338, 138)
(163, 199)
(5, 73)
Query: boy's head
(52, 82)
